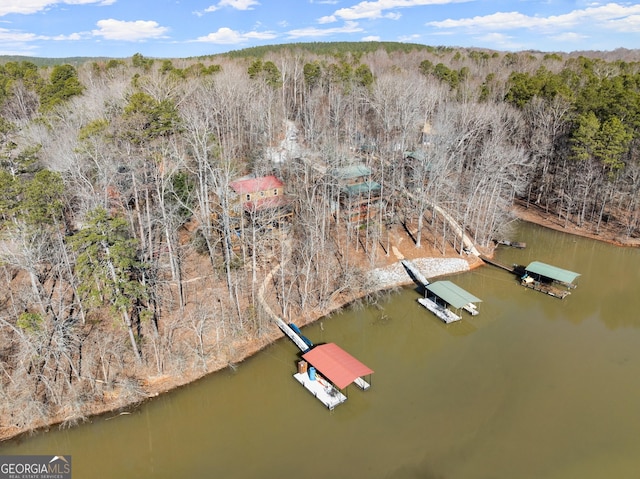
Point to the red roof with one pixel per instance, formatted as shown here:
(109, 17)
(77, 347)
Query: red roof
(336, 364)
(254, 185)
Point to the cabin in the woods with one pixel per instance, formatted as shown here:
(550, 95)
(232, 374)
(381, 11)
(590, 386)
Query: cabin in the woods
(260, 200)
(429, 136)
(417, 168)
(358, 192)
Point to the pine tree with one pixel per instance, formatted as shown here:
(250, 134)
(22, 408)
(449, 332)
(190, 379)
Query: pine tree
(108, 268)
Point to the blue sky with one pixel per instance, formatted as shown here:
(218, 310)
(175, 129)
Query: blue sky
(183, 28)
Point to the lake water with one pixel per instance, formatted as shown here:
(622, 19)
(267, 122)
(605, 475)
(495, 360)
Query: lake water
(533, 387)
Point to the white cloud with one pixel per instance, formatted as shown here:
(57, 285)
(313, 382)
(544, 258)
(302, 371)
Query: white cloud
(237, 4)
(371, 38)
(328, 19)
(629, 24)
(569, 37)
(499, 20)
(500, 40)
(612, 16)
(87, 2)
(349, 27)
(27, 7)
(135, 31)
(410, 38)
(227, 36)
(71, 37)
(13, 36)
(13, 42)
(376, 9)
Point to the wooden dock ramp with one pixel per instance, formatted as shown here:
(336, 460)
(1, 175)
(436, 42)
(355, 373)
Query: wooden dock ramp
(286, 329)
(415, 273)
(510, 269)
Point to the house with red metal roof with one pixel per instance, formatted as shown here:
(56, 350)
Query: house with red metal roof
(261, 199)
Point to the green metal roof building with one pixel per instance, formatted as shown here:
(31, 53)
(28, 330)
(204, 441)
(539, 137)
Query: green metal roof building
(552, 272)
(351, 172)
(452, 294)
(365, 188)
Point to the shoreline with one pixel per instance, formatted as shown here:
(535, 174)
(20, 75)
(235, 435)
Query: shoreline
(535, 214)
(380, 279)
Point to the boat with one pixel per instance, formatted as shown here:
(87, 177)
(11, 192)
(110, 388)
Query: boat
(296, 329)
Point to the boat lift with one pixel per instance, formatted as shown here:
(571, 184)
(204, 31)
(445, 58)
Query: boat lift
(442, 294)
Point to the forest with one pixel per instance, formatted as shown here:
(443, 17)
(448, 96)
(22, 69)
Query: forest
(127, 257)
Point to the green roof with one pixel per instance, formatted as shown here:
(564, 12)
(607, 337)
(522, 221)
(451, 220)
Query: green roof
(353, 171)
(552, 272)
(452, 294)
(362, 188)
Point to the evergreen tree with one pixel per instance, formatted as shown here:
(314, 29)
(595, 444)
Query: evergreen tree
(63, 84)
(612, 144)
(583, 141)
(108, 269)
(148, 118)
(312, 74)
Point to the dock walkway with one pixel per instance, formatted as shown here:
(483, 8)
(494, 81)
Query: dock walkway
(490, 261)
(513, 244)
(443, 313)
(286, 329)
(415, 273)
(322, 390)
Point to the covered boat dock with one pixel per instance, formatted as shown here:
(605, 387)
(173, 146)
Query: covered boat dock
(441, 294)
(340, 370)
(543, 277)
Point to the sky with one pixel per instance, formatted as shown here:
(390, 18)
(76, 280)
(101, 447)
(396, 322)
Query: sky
(187, 28)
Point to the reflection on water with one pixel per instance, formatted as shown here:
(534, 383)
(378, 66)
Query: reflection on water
(532, 387)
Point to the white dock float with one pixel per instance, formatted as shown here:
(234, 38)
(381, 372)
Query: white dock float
(324, 391)
(362, 384)
(443, 313)
(471, 309)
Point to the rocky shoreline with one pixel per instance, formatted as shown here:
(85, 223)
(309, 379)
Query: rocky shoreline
(395, 275)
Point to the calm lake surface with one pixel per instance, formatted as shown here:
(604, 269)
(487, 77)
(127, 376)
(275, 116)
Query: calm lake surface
(533, 387)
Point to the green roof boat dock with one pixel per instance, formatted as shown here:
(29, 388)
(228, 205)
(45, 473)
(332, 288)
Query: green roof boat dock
(441, 295)
(546, 278)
